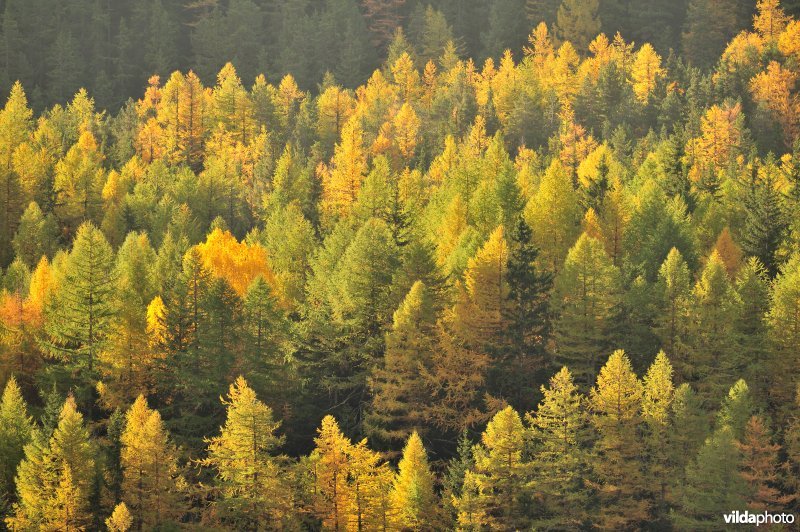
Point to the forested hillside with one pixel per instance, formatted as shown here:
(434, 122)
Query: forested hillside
(552, 289)
(110, 47)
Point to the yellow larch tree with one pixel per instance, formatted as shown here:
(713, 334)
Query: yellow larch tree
(348, 169)
(151, 484)
(646, 72)
(479, 313)
(236, 262)
(413, 497)
(773, 88)
(333, 496)
(770, 20)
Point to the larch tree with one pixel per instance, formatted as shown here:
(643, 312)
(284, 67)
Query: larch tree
(616, 404)
(578, 22)
(659, 393)
(783, 321)
(399, 391)
(760, 467)
(674, 287)
(151, 483)
(249, 475)
(342, 182)
(712, 335)
(413, 497)
(736, 409)
(501, 471)
(479, 315)
(79, 317)
(16, 431)
(330, 465)
(55, 480)
(120, 519)
(554, 216)
(126, 367)
(646, 73)
(559, 468)
(16, 125)
(587, 293)
(688, 429)
(713, 483)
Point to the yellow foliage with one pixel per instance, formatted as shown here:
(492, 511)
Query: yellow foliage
(238, 263)
(770, 20)
(646, 72)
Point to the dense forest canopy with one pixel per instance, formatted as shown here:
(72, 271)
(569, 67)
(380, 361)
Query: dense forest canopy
(468, 265)
(109, 47)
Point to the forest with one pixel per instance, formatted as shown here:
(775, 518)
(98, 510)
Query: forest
(460, 266)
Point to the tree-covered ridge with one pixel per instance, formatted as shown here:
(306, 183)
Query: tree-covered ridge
(554, 291)
(55, 47)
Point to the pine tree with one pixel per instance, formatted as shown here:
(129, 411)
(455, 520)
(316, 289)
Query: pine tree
(587, 292)
(250, 476)
(616, 407)
(151, 484)
(559, 429)
(413, 498)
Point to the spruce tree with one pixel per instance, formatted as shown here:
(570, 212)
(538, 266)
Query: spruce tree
(527, 315)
